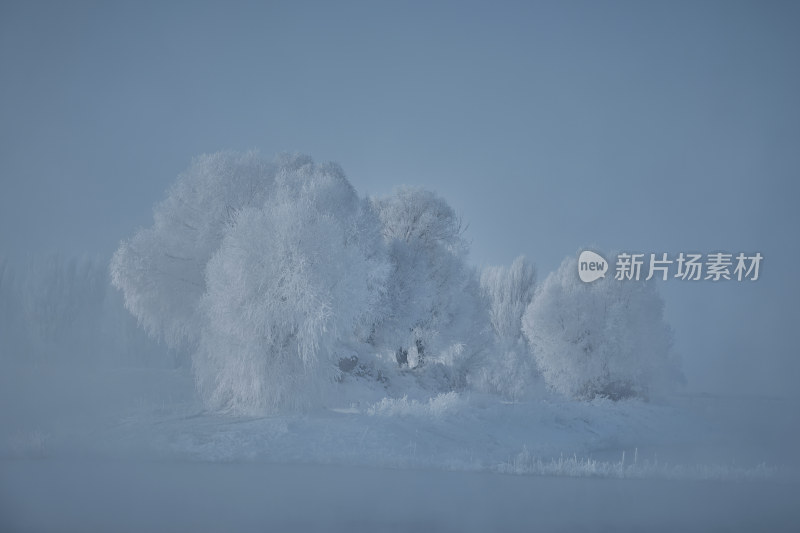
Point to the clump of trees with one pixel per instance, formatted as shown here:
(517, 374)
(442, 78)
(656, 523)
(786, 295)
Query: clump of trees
(281, 281)
(278, 277)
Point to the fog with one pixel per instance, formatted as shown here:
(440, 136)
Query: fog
(656, 128)
(549, 127)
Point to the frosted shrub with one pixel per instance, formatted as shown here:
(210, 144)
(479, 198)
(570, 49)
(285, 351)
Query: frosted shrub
(436, 406)
(605, 338)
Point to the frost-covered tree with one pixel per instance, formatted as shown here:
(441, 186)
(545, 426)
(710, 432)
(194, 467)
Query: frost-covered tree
(291, 288)
(508, 291)
(161, 269)
(59, 299)
(605, 338)
(262, 269)
(13, 340)
(434, 308)
(509, 368)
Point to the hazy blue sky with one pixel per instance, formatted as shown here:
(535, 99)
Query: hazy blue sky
(641, 126)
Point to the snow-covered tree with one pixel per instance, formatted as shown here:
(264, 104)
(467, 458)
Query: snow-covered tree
(508, 291)
(161, 269)
(435, 312)
(13, 340)
(290, 290)
(509, 368)
(55, 300)
(264, 269)
(605, 338)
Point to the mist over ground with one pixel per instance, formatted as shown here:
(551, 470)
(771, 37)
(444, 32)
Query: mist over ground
(547, 128)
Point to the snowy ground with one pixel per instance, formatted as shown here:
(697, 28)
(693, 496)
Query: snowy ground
(132, 450)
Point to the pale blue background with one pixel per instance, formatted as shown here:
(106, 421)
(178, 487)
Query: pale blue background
(639, 126)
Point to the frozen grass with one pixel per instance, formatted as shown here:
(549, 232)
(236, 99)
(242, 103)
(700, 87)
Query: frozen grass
(436, 406)
(573, 466)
